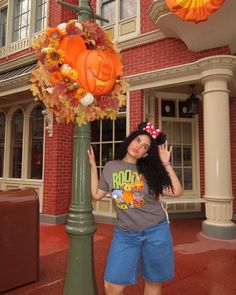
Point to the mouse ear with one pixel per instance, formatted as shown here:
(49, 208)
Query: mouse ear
(161, 138)
(141, 126)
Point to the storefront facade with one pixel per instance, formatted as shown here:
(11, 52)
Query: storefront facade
(162, 56)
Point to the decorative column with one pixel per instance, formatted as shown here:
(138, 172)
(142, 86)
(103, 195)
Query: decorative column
(218, 182)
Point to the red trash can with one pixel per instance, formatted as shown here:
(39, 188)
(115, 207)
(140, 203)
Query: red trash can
(19, 238)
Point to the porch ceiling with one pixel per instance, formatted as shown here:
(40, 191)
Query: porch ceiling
(218, 30)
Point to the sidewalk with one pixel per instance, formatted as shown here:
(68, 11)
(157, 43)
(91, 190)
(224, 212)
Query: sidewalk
(203, 266)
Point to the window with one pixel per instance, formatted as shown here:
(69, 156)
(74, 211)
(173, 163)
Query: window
(40, 15)
(179, 129)
(3, 26)
(128, 8)
(107, 136)
(2, 141)
(108, 11)
(21, 20)
(123, 16)
(16, 144)
(36, 131)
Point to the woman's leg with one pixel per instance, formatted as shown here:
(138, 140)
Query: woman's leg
(113, 289)
(152, 288)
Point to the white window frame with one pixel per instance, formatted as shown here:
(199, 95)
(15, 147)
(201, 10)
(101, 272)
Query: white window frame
(11, 46)
(2, 23)
(124, 29)
(195, 192)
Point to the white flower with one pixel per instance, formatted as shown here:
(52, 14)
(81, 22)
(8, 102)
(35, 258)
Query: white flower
(87, 99)
(49, 90)
(62, 27)
(65, 69)
(78, 25)
(45, 49)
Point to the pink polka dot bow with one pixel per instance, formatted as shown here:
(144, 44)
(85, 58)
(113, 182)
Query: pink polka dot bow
(150, 129)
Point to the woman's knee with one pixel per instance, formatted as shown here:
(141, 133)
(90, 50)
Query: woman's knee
(153, 288)
(113, 289)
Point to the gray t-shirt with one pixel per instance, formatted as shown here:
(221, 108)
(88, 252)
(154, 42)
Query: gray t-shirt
(136, 209)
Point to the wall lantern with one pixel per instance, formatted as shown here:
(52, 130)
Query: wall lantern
(192, 101)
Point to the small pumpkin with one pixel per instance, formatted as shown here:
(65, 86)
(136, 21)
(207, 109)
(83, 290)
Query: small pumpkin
(96, 71)
(72, 45)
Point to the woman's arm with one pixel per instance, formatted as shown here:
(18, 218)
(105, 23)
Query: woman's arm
(96, 193)
(165, 158)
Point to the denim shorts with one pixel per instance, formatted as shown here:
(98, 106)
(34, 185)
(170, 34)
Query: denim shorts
(149, 251)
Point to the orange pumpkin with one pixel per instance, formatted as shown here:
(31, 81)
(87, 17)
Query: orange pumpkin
(72, 45)
(96, 71)
(116, 62)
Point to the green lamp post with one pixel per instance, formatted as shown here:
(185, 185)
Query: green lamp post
(80, 279)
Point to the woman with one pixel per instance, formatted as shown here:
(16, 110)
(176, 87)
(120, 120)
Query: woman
(142, 237)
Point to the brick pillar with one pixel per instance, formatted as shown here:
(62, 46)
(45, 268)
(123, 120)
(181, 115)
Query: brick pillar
(136, 108)
(58, 171)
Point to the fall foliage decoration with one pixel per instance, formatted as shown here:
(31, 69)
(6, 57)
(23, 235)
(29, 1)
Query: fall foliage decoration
(79, 74)
(194, 10)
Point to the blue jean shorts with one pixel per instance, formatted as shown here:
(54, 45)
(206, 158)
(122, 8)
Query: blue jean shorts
(149, 251)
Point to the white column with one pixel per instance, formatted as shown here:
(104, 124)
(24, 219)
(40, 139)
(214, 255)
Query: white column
(218, 180)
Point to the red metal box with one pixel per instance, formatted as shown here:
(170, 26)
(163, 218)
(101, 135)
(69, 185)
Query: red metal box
(19, 238)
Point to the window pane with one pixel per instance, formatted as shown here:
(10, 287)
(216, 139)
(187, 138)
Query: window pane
(3, 25)
(16, 144)
(168, 108)
(187, 156)
(166, 128)
(128, 8)
(36, 144)
(95, 131)
(108, 11)
(120, 128)
(2, 141)
(21, 20)
(187, 134)
(106, 153)
(188, 179)
(107, 128)
(40, 21)
(176, 133)
(177, 156)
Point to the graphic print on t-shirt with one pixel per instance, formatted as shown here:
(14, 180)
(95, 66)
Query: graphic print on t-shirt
(127, 189)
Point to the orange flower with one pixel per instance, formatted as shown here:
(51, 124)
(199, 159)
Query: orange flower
(55, 56)
(54, 33)
(56, 77)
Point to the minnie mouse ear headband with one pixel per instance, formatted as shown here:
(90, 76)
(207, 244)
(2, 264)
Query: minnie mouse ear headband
(156, 134)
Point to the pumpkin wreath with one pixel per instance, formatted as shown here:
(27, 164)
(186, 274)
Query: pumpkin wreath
(79, 74)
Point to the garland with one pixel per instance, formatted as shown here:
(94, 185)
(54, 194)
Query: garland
(55, 82)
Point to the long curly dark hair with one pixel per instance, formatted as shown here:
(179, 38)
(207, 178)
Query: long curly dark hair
(150, 166)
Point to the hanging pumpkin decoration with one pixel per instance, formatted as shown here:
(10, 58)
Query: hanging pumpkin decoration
(72, 45)
(79, 73)
(194, 10)
(116, 62)
(96, 71)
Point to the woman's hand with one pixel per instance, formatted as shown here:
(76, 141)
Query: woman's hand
(165, 153)
(91, 157)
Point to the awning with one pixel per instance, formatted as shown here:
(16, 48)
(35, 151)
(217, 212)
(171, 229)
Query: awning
(16, 73)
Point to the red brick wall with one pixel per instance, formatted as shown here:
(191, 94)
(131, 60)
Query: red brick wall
(146, 24)
(58, 169)
(136, 108)
(59, 14)
(162, 54)
(233, 145)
